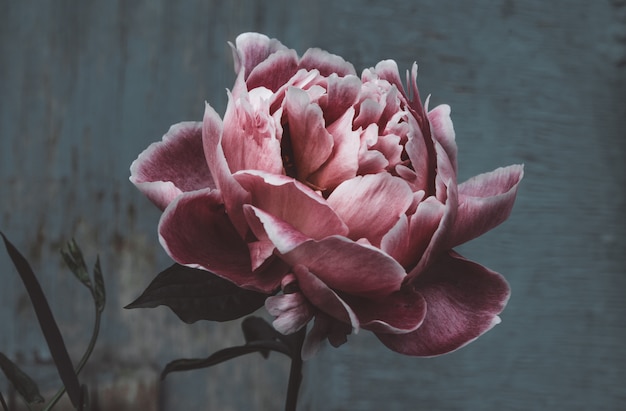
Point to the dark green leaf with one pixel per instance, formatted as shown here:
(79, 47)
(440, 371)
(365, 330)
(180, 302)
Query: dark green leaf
(73, 257)
(223, 355)
(99, 294)
(48, 325)
(21, 381)
(195, 294)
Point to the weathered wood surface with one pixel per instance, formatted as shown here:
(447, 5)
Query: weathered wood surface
(85, 86)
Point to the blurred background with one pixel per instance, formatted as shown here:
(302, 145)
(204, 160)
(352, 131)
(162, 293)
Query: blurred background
(85, 86)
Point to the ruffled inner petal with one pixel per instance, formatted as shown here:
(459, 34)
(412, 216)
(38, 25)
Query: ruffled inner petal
(371, 205)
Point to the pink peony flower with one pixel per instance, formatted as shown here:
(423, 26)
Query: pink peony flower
(340, 191)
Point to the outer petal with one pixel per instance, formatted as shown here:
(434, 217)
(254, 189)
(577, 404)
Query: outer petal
(195, 230)
(464, 300)
(172, 166)
(485, 201)
(399, 313)
(371, 205)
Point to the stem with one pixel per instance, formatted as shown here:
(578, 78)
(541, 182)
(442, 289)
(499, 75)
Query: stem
(295, 372)
(83, 360)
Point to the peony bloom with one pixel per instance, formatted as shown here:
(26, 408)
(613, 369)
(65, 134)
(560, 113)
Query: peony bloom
(337, 196)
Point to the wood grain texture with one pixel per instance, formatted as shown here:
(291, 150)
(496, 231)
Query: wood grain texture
(85, 86)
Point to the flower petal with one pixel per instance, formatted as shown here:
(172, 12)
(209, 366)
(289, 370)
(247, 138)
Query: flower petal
(326, 63)
(464, 300)
(310, 142)
(346, 266)
(293, 202)
(398, 313)
(485, 201)
(323, 298)
(251, 141)
(195, 230)
(252, 49)
(371, 205)
(343, 163)
(440, 237)
(341, 94)
(172, 166)
(275, 71)
(410, 237)
(292, 312)
(442, 130)
(233, 194)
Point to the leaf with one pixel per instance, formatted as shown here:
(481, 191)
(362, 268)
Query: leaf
(223, 355)
(98, 291)
(27, 388)
(194, 294)
(73, 257)
(48, 325)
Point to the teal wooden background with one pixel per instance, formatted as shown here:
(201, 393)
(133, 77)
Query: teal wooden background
(86, 85)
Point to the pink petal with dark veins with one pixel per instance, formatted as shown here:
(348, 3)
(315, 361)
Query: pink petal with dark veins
(195, 230)
(370, 205)
(485, 201)
(463, 300)
(326, 63)
(172, 166)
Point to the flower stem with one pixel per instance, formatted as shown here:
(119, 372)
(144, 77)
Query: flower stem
(295, 372)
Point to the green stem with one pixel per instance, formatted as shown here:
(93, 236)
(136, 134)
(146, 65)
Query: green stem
(295, 372)
(83, 360)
